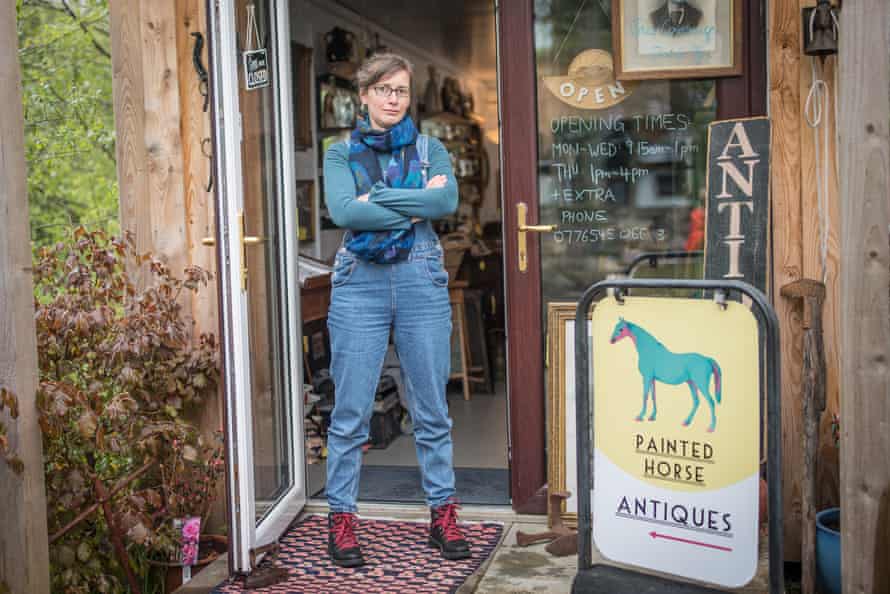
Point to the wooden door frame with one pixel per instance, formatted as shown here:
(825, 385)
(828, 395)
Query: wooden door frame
(736, 97)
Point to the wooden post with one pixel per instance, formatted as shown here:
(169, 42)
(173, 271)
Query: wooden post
(785, 194)
(24, 552)
(864, 104)
(147, 122)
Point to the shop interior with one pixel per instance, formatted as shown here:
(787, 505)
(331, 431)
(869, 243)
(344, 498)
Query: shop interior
(455, 99)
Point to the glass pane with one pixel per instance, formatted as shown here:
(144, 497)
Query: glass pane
(263, 218)
(622, 174)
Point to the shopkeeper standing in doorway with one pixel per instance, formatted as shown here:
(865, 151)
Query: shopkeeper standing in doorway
(384, 186)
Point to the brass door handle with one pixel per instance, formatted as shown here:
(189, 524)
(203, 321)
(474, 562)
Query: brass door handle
(538, 228)
(522, 239)
(246, 240)
(208, 241)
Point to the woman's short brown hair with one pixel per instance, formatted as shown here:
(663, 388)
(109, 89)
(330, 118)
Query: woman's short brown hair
(380, 66)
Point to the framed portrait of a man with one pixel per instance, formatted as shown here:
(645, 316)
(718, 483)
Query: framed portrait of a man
(656, 39)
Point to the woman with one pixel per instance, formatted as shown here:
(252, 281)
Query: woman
(388, 276)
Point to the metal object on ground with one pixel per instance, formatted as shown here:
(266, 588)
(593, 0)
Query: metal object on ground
(565, 539)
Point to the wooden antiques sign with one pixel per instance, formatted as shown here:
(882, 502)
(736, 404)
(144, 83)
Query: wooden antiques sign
(737, 243)
(676, 483)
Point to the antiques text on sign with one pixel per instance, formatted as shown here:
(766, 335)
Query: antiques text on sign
(676, 482)
(737, 245)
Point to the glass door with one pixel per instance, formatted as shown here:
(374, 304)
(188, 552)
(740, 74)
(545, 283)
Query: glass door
(257, 234)
(600, 179)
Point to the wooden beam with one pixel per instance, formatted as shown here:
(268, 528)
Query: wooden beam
(24, 552)
(162, 133)
(864, 159)
(129, 121)
(191, 18)
(785, 191)
(827, 494)
(147, 122)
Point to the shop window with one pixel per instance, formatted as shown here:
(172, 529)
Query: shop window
(622, 166)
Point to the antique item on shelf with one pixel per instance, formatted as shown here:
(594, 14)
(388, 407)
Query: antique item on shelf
(376, 48)
(462, 137)
(338, 102)
(432, 97)
(677, 38)
(339, 45)
(452, 100)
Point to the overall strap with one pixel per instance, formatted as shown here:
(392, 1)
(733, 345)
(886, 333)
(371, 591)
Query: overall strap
(423, 153)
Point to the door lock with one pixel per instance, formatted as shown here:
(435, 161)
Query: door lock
(523, 228)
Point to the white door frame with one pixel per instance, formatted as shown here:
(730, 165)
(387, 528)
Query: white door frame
(245, 534)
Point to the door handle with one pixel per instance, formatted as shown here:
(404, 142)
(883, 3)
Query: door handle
(208, 241)
(246, 240)
(523, 228)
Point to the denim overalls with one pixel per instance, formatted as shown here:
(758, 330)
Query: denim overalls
(367, 300)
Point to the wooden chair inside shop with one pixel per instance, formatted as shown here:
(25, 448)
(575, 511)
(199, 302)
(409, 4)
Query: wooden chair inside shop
(455, 246)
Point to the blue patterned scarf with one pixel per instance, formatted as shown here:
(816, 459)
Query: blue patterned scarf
(402, 171)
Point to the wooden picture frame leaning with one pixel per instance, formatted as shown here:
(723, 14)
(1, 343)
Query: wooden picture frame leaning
(305, 197)
(562, 473)
(666, 61)
(301, 57)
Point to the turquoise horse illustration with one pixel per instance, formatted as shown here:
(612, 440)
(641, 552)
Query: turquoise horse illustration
(658, 363)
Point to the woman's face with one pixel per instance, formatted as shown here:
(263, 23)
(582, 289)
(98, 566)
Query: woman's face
(388, 100)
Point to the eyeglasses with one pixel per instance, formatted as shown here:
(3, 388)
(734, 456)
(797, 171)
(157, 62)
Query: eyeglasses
(386, 91)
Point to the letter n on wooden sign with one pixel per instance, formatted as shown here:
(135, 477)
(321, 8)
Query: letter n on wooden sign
(737, 241)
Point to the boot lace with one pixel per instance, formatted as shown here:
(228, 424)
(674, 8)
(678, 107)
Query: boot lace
(344, 531)
(446, 519)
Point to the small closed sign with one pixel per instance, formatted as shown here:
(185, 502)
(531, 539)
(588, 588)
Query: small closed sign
(256, 69)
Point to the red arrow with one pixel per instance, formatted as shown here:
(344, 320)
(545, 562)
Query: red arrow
(654, 534)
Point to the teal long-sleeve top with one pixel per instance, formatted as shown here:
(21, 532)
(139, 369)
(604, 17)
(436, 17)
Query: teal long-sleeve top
(387, 208)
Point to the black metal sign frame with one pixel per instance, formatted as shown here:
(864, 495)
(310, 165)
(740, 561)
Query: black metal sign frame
(586, 578)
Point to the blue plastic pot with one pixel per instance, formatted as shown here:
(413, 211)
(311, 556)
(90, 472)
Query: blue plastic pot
(828, 550)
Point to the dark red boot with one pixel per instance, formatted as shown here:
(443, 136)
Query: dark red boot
(342, 544)
(446, 534)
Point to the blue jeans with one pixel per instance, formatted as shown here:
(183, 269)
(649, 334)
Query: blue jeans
(367, 301)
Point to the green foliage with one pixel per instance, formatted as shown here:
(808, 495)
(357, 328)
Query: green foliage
(119, 370)
(64, 52)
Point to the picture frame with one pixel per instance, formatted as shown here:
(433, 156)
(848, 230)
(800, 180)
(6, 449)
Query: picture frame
(305, 195)
(666, 39)
(338, 103)
(562, 473)
(302, 64)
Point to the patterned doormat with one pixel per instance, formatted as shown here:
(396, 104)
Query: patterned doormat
(398, 560)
